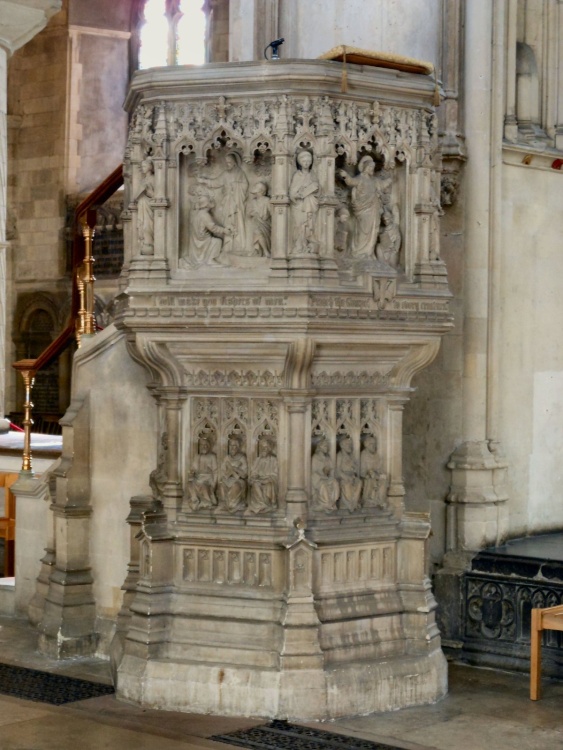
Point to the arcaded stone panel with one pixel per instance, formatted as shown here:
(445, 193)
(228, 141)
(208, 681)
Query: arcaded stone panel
(230, 568)
(356, 568)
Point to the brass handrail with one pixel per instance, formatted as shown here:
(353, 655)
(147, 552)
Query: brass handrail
(82, 319)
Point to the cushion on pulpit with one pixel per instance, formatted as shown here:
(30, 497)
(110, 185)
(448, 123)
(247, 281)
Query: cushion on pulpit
(346, 54)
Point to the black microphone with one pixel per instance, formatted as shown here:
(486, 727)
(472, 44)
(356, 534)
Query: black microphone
(274, 45)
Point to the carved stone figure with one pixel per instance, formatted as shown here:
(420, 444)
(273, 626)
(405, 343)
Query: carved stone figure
(259, 213)
(389, 243)
(367, 207)
(205, 243)
(448, 188)
(264, 478)
(370, 473)
(342, 231)
(347, 475)
(326, 489)
(202, 479)
(145, 214)
(303, 195)
(232, 487)
(158, 476)
(231, 211)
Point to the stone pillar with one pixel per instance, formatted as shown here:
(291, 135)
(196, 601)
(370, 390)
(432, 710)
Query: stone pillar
(33, 517)
(474, 464)
(476, 505)
(37, 604)
(510, 121)
(139, 506)
(559, 114)
(172, 400)
(67, 626)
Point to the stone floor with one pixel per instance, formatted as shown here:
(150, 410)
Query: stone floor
(485, 710)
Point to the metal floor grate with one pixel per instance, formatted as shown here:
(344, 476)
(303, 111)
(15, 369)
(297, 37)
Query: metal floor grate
(45, 687)
(284, 736)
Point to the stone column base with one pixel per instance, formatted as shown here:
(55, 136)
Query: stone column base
(312, 695)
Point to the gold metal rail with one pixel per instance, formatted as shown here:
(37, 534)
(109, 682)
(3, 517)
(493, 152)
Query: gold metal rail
(82, 318)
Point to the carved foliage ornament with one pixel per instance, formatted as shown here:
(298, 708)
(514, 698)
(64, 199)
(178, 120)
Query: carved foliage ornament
(252, 125)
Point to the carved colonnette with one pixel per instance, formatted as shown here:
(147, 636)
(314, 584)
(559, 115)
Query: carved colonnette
(283, 287)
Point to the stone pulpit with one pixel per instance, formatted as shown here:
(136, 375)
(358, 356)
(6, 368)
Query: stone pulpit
(282, 286)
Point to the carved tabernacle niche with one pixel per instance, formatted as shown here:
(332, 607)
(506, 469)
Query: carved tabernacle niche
(233, 465)
(282, 287)
(225, 200)
(347, 465)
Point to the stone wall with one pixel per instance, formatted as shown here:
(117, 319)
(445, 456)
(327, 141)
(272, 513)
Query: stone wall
(67, 132)
(531, 365)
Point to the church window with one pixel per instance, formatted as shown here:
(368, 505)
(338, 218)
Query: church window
(173, 32)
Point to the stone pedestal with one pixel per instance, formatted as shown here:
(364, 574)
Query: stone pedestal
(283, 287)
(32, 510)
(477, 517)
(67, 621)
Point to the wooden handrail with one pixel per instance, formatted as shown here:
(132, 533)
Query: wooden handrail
(85, 212)
(101, 193)
(55, 348)
(85, 220)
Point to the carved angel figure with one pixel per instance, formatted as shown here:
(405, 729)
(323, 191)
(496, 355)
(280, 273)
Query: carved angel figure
(303, 195)
(234, 472)
(367, 207)
(264, 478)
(259, 213)
(233, 184)
(145, 215)
(326, 489)
(347, 475)
(202, 479)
